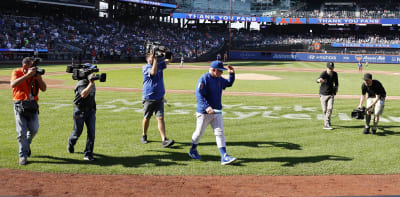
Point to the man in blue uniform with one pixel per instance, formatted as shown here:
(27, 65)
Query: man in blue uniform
(153, 97)
(209, 108)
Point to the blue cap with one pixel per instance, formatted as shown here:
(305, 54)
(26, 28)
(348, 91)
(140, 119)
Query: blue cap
(217, 65)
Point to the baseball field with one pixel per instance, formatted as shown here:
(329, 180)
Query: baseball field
(272, 122)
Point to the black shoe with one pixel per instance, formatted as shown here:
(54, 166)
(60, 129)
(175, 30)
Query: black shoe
(144, 139)
(373, 130)
(167, 143)
(88, 157)
(366, 130)
(70, 148)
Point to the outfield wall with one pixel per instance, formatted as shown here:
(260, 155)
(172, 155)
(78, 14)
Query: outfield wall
(314, 57)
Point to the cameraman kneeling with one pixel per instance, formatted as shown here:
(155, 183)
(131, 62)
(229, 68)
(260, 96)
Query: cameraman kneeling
(375, 101)
(84, 113)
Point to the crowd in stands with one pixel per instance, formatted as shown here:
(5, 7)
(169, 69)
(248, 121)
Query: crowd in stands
(66, 36)
(100, 37)
(372, 9)
(339, 37)
(306, 42)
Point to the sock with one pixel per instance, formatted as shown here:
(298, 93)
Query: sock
(222, 150)
(194, 146)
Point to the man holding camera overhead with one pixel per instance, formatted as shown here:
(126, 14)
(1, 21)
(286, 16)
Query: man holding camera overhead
(375, 101)
(153, 95)
(26, 82)
(84, 113)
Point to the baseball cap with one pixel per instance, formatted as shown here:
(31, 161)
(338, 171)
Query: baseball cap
(217, 65)
(330, 65)
(367, 76)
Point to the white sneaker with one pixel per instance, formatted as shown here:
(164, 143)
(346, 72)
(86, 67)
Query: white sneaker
(327, 127)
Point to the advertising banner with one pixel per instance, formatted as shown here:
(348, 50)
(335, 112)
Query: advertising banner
(215, 17)
(392, 46)
(343, 21)
(279, 20)
(22, 50)
(317, 57)
(291, 20)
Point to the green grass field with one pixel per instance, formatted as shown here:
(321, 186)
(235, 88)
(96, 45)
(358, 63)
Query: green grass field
(268, 135)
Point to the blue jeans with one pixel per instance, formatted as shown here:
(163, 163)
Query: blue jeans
(81, 118)
(27, 127)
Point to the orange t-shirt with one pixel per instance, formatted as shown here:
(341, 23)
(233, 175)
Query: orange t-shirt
(23, 90)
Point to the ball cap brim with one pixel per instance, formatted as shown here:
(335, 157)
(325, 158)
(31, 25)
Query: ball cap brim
(217, 65)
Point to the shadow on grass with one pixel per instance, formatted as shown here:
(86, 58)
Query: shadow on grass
(254, 144)
(167, 159)
(387, 130)
(292, 161)
(382, 130)
(176, 159)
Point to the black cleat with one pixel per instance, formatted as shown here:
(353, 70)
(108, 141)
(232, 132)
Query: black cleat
(70, 148)
(374, 130)
(366, 130)
(144, 139)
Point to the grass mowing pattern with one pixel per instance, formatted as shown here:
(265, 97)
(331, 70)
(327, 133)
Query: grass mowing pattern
(264, 145)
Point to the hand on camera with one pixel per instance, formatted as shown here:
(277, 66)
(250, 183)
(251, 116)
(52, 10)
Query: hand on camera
(31, 72)
(91, 78)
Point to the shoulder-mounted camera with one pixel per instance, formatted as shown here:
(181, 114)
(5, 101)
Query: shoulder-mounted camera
(82, 71)
(158, 49)
(358, 113)
(35, 64)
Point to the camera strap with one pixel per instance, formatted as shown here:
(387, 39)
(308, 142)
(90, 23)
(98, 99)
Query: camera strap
(33, 84)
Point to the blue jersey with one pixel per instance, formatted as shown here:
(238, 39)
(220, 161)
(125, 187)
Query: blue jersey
(209, 91)
(153, 86)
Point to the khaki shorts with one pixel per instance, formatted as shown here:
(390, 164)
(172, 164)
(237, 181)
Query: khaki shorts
(379, 106)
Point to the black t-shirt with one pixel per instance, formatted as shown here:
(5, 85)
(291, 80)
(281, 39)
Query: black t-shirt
(375, 89)
(88, 103)
(331, 84)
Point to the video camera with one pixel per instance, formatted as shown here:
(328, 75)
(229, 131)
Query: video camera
(82, 71)
(358, 113)
(158, 49)
(35, 64)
